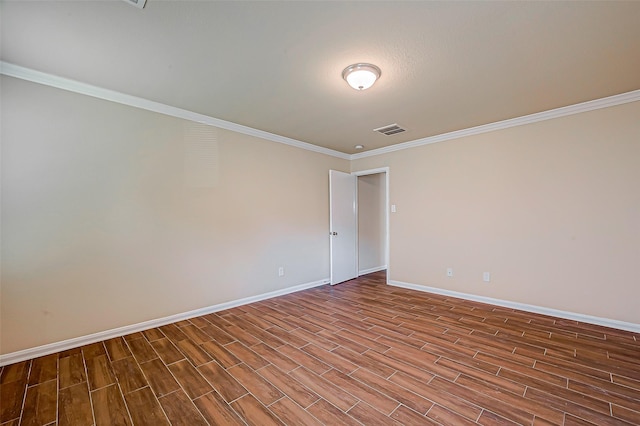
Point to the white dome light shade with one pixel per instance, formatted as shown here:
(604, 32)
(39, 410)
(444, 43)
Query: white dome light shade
(361, 76)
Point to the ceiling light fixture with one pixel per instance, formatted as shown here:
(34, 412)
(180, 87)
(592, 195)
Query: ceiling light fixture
(361, 76)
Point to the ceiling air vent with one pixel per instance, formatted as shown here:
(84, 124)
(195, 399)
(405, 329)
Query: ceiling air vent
(389, 130)
(137, 3)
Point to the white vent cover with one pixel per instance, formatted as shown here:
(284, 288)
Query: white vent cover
(137, 3)
(389, 130)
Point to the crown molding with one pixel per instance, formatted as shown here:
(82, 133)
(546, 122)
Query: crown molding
(609, 101)
(46, 79)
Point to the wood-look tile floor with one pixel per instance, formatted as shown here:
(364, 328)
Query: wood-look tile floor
(358, 353)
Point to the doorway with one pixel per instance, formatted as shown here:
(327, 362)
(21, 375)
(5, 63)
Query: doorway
(372, 223)
(357, 249)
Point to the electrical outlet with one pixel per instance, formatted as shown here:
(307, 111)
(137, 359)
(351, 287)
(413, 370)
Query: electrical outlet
(486, 277)
(449, 272)
(281, 271)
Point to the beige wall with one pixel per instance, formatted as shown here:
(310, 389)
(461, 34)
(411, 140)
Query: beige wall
(109, 218)
(371, 221)
(551, 209)
(104, 223)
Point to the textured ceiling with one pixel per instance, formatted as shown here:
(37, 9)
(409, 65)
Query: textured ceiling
(276, 66)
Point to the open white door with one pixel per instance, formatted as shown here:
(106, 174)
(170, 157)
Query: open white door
(343, 229)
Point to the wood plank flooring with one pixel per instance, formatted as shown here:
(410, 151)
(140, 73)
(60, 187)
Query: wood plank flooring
(358, 353)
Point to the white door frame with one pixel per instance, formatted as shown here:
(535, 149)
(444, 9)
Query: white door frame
(384, 170)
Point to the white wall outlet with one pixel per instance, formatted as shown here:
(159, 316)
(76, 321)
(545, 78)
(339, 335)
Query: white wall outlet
(281, 271)
(486, 277)
(449, 272)
(393, 208)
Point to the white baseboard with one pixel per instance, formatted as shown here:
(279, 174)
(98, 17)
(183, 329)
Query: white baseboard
(605, 322)
(372, 270)
(50, 348)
